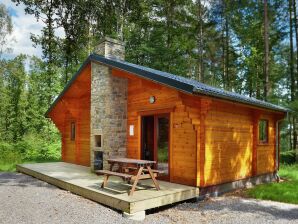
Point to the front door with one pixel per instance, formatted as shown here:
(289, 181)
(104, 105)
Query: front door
(155, 141)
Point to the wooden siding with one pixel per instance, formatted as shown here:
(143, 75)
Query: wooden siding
(184, 148)
(75, 107)
(228, 146)
(266, 151)
(183, 152)
(212, 141)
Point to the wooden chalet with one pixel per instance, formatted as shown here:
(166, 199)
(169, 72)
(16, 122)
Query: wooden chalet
(198, 135)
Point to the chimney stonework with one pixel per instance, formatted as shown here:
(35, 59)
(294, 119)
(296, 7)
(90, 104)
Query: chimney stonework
(108, 105)
(111, 48)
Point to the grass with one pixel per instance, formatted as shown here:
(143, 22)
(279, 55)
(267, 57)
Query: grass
(285, 191)
(11, 166)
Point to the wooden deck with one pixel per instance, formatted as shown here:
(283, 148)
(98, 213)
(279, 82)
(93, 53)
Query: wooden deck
(79, 180)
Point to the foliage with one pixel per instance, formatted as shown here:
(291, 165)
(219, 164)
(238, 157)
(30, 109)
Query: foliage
(5, 28)
(32, 148)
(288, 157)
(286, 191)
(221, 43)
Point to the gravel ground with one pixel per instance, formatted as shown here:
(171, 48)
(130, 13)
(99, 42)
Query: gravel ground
(24, 199)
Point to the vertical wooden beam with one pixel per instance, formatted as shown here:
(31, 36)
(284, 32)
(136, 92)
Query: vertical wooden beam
(198, 180)
(205, 106)
(77, 140)
(275, 147)
(63, 140)
(256, 117)
(63, 145)
(139, 131)
(155, 141)
(171, 146)
(278, 146)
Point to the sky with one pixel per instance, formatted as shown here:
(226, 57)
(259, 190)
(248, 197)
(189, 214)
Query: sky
(23, 26)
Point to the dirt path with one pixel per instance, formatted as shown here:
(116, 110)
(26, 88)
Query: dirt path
(24, 199)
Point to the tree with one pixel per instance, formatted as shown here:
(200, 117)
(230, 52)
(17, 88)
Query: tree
(75, 23)
(5, 28)
(266, 59)
(294, 79)
(13, 121)
(200, 40)
(46, 11)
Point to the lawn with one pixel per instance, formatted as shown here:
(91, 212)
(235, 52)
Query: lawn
(285, 191)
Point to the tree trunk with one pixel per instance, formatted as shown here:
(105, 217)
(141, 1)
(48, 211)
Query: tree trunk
(290, 133)
(293, 79)
(223, 44)
(291, 52)
(228, 81)
(200, 72)
(169, 18)
(266, 59)
(294, 133)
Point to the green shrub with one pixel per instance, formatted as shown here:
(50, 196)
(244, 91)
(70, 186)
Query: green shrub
(288, 157)
(38, 149)
(32, 148)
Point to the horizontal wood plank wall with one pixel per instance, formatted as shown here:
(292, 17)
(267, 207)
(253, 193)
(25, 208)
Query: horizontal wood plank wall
(194, 109)
(266, 151)
(183, 140)
(228, 136)
(184, 144)
(228, 147)
(74, 106)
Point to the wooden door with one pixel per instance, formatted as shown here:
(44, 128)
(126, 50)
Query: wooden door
(155, 141)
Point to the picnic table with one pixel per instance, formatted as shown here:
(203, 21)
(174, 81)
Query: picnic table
(130, 170)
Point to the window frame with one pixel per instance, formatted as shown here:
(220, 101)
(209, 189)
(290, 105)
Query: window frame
(266, 133)
(73, 130)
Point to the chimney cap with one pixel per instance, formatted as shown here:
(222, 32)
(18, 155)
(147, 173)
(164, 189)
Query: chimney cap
(111, 40)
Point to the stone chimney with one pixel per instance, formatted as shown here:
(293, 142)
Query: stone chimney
(110, 48)
(108, 112)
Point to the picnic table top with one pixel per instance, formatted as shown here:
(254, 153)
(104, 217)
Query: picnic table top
(131, 161)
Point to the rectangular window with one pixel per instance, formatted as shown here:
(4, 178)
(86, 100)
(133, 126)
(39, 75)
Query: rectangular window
(73, 131)
(263, 131)
(97, 140)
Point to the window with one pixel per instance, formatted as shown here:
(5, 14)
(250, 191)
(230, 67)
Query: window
(97, 140)
(263, 131)
(73, 131)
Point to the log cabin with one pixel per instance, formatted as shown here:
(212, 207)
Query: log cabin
(198, 135)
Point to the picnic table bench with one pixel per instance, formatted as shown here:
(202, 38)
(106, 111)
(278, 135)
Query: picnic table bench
(130, 170)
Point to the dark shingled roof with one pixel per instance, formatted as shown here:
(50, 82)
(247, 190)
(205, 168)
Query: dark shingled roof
(180, 83)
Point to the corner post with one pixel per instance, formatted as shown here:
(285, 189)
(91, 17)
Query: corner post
(205, 107)
(256, 117)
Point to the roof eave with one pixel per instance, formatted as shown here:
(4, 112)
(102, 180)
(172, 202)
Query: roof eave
(277, 108)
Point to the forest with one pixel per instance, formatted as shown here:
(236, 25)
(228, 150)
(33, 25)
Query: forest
(248, 46)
